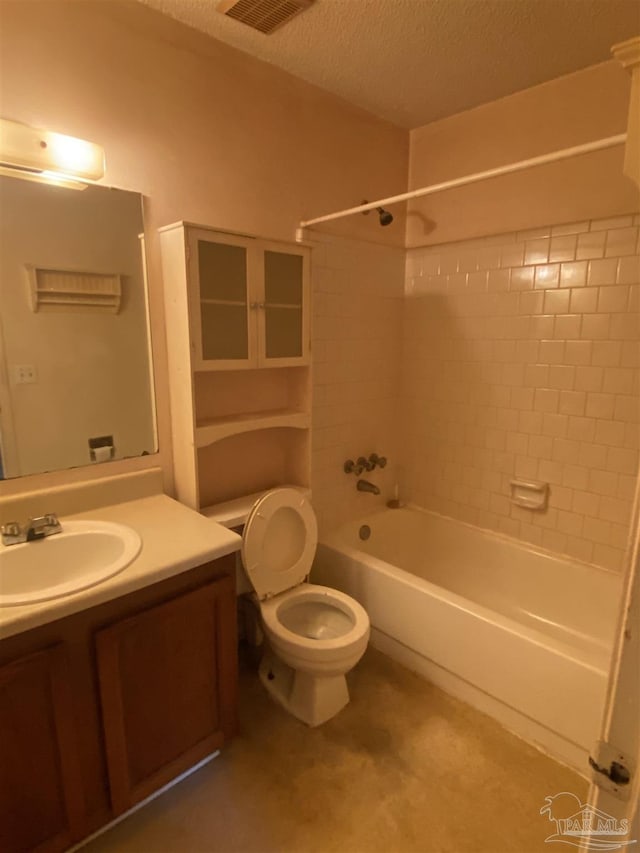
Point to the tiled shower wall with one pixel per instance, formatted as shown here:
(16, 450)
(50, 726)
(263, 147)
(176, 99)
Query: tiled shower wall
(521, 360)
(356, 347)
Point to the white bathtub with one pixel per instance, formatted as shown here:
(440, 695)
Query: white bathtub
(523, 635)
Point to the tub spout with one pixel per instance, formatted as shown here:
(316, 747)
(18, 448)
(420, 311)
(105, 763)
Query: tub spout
(366, 486)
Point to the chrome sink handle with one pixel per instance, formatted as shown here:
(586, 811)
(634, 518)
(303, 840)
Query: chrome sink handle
(12, 533)
(43, 525)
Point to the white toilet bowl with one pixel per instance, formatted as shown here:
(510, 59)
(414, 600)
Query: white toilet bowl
(315, 634)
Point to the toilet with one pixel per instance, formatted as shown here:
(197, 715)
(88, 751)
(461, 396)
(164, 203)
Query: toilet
(315, 634)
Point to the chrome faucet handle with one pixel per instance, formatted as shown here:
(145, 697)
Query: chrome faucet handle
(43, 525)
(12, 533)
(48, 520)
(351, 467)
(363, 465)
(374, 460)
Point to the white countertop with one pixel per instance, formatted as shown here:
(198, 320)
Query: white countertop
(174, 539)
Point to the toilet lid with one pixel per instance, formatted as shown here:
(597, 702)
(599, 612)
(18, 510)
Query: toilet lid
(279, 541)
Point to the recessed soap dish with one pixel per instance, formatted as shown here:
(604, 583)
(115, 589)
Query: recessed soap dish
(530, 494)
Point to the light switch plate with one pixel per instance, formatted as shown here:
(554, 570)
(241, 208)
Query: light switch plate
(23, 374)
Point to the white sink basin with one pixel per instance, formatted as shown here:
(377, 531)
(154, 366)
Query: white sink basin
(83, 555)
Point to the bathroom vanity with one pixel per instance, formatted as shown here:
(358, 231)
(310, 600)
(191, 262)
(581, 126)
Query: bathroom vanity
(109, 694)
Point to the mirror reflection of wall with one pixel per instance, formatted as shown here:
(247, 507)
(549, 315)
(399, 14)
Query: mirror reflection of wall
(74, 364)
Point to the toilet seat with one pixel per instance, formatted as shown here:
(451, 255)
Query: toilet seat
(273, 612)
(279, 542)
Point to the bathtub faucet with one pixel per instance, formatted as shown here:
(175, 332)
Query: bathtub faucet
(366, 486)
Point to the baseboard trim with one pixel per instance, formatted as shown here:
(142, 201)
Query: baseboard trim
(543, 739)
(143, 803)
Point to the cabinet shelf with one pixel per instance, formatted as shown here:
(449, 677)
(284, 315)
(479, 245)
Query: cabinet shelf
(234, 513)
(235, 303)
(239, 351)
(219, 428)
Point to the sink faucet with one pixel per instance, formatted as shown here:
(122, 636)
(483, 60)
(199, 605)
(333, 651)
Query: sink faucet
(35, 528)
(366, 486)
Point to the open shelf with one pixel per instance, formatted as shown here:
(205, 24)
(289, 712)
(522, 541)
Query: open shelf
(239, 393)
(219, 428)
(245, 463)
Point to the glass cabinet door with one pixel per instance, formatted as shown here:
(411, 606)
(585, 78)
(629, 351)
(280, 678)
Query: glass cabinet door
(285, 308)
(224, 320)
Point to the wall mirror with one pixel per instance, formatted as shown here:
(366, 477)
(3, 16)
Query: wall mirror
(76, 384)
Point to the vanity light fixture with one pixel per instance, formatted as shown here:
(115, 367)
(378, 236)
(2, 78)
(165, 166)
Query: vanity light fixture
(47, 157)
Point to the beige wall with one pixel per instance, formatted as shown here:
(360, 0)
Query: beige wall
(581, 107)
(358, 298)
(206, 133)
(521, 360)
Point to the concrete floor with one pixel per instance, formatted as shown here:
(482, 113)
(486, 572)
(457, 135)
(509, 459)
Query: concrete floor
(405, 768)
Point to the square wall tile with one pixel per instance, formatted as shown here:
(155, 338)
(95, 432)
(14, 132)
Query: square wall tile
(562, 376)
(584, 300)
(563, 248)
(556, 301)
(547, 275)
(621, 241)
(613, 299)
(591, 245)
(573, 274)
(568, 325)
(607, 353)
(629, 270)
(599, 405)
(580, 428)
(522, 278)
(531, 302)
(536, 251)
(512, 255)
(572, 402)
(589, 378)
(551, 352)
(498, 280)
(602, 272)
(595, 326)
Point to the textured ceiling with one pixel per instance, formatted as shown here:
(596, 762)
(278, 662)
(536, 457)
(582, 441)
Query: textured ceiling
(415, 61)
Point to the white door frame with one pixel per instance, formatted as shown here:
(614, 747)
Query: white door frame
(8, 438)
(621, 718)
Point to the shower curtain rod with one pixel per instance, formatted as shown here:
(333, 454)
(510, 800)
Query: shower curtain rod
(562, 154)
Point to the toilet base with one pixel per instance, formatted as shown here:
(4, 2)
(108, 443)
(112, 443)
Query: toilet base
(312, 699)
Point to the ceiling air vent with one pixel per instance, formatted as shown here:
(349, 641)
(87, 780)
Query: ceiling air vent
(263, 15)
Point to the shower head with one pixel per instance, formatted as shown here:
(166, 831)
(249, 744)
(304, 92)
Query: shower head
(386, 218)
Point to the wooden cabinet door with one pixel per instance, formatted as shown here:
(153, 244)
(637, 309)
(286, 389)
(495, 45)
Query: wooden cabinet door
(41, 803)
(285, 306)
(223, 310)
(167, 678)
